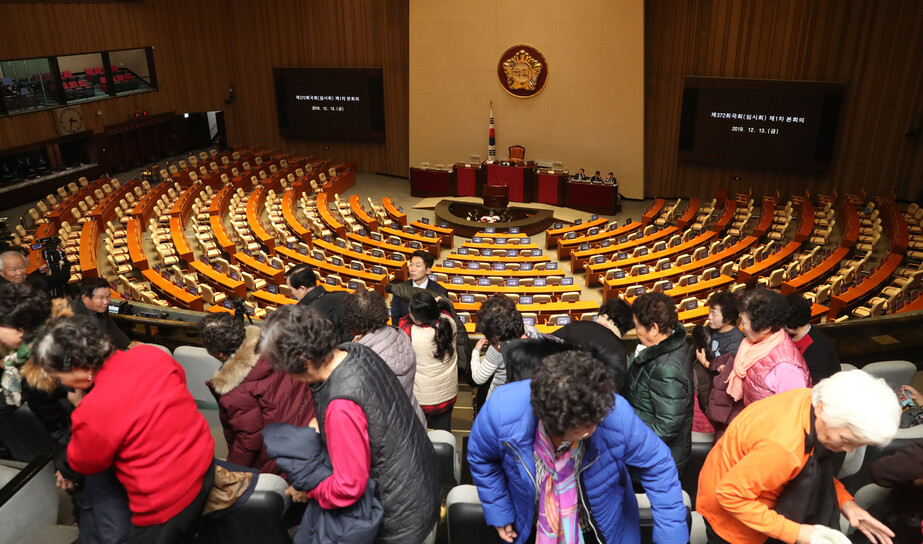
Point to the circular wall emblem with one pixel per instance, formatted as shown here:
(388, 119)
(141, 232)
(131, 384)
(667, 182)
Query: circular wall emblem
(522, 71)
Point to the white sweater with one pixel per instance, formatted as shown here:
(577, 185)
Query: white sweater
(436, 380)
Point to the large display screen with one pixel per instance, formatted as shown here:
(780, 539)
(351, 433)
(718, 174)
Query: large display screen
(768, 124)
(345, 104)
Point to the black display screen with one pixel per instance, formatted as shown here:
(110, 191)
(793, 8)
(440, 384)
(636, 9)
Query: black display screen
(344, 104)
(770, 124)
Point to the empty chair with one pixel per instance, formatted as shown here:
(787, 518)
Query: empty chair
(570, 296)
(774, 280)
(873, 308)
(895, 373)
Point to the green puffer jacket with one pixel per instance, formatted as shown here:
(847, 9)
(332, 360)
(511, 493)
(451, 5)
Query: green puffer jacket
(660, 389)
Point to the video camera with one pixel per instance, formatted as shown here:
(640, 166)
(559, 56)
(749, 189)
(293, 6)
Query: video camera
(51, 253)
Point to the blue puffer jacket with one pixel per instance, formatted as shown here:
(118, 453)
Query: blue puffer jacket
(503, 466)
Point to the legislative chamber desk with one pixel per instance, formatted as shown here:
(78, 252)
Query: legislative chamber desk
(520, 180)
(429, 182)
(469, 179)
(526, 183)
(600, 198)
(549, 187)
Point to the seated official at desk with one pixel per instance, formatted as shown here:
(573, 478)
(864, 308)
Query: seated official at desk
(581, 176)
(610, 179)
(596, 177)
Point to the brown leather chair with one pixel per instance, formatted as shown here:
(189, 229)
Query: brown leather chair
(517, 154)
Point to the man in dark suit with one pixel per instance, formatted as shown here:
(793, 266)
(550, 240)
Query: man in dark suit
(596, 177)
(302, 281)
(610, 179)
(419, 268)
(581, 175)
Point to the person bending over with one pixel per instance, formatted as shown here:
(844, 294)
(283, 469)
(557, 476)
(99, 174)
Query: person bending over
(249, 393)
(133, 413)
(365, 421)
(772, 474)
(365, 316)
(550, 459)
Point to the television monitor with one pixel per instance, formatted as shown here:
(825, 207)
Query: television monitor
(760, 123)
(343, 104)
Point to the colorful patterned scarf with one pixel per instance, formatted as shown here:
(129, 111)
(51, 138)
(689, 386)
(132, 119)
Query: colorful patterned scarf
(11, 380)
(557, 505)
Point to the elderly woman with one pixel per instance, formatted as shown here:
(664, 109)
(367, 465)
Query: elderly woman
(24, 310)
(133, 413)
(365, 316)
(250, 394)
(772, 474)
(549, 457)
(660, 384)
(767, 362)
(499, 321)
(366, 423)
(432, 334)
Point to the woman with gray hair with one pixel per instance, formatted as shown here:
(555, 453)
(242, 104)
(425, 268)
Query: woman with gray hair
(772, 474)
(366, 423)
(133, 413)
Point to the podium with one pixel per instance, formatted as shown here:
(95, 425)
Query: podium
(496, 196)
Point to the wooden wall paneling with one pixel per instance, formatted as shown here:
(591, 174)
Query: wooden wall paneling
(189, 51)
(871, 46)
(358, 33)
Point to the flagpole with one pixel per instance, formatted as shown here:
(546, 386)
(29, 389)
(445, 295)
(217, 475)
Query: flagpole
(491, 140)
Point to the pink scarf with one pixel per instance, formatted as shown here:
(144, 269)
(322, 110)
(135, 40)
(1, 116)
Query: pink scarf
(748, 355)
(557, 506)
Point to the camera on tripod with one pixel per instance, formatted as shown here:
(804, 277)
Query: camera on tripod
(51, 253)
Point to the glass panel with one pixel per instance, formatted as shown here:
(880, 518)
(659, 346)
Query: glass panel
(130, 71)
(27, 85)
(83, 77)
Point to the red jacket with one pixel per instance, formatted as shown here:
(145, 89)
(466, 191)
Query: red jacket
(140, 419)
(251, 395)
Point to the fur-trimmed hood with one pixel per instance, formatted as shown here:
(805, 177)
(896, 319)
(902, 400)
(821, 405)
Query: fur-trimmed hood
(32, 373)
(238, 366)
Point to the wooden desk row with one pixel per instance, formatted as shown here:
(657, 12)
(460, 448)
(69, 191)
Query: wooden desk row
(614, 286)
(398, 268)
(596, 272)
(294, 224)
(805, 220)
(814, 276)
(375, 281)
(255, 204)
(175, 295)
(767, 211)
(554, 290)
(552, 235)
(855, 295)
(222, 282)
(750, 274)
(567, 246)
(574, 309)
(582, 257)
(692, 210)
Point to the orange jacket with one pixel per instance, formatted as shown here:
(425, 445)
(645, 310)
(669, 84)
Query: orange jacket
(762, 450)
